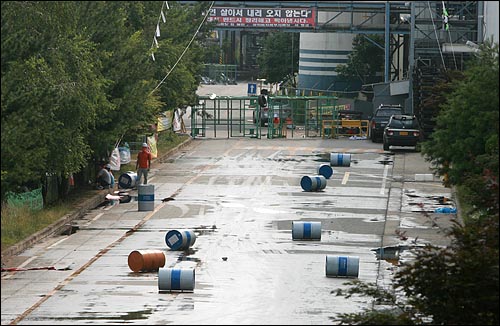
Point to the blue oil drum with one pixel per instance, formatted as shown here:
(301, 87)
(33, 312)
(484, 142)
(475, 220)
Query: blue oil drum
(313, 183)
(180, 239)
(325, 170)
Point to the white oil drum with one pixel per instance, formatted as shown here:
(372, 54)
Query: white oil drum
(127, 180)
(340, 159)
(146, 197)
(346, 266)
(302, 230)
(176, 279)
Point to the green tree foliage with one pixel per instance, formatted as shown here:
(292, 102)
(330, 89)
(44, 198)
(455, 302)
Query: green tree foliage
(51, 90)
(366, 61)
(468, 152)
(78, 75)
(458, 284)
(279, 58)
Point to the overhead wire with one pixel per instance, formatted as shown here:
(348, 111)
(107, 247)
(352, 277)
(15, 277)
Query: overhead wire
(445, 12)
(187, 47)
(437, 39)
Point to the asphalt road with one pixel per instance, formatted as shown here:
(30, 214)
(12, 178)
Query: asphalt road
(239, 197)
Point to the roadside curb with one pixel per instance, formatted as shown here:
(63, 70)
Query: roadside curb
(55, 227)
(80, 211)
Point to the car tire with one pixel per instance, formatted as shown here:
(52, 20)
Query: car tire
(386, 146)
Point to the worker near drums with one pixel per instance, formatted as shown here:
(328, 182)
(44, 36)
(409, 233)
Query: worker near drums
(143, 164)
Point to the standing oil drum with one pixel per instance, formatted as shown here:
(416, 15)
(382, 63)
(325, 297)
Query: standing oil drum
(180, 239)
(342, 266)
(306, 230)
(176, 279)
(127, 180)
(340, 159)
(146, 260)
(313, 183)
(146, 197)
(325, 170)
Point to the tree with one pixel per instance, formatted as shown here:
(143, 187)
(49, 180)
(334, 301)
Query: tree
(366, 62)
(78, 76)
(457, 284)
(51, 90)
(279, 58)
(468, 153)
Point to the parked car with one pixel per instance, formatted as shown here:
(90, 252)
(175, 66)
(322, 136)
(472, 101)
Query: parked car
(402, 130)
(381, 118)
(281, 108)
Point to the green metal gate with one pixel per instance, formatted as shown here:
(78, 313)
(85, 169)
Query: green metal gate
(241, 116)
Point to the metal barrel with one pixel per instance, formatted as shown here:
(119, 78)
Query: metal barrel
(127, 180)
(347, 266)
(176, 279)
(302, 230)
(146, 197)
(313, 183)
(340, 159)
(325, 170)
(146, 260)
(180, 239)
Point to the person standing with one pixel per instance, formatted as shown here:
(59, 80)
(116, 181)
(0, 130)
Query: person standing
(143, 164)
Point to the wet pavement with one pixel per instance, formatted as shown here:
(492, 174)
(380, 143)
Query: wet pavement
(239, 196)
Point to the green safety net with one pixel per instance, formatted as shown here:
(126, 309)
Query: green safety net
(32, 199)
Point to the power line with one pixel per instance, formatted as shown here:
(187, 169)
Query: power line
(437, 39)
(187, 47)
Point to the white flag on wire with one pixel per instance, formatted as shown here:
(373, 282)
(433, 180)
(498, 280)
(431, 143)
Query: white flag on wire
(166, 2)
(156, 42)
(163, 17)
(158, 30)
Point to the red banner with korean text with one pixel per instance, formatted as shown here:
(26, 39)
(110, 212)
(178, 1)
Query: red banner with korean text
(263, 17)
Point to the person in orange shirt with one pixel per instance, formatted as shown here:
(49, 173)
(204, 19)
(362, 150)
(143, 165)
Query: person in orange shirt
(143, 163)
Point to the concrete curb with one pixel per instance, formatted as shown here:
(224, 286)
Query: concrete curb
(80, 211)
(55, 227)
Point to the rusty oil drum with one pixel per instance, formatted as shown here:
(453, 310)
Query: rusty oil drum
(146, 260)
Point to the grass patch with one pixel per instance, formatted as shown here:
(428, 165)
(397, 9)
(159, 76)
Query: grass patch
(18, 223)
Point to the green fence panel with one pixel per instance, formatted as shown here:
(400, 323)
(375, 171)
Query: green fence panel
(32, 199)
